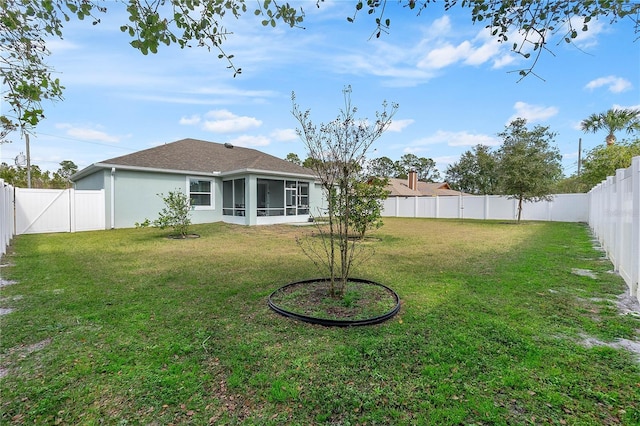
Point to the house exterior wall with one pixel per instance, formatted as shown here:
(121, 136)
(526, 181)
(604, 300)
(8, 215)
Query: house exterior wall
(92, 182)
(318, 200)
(138, 196)
(131, 196)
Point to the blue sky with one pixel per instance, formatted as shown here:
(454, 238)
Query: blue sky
(455, 86)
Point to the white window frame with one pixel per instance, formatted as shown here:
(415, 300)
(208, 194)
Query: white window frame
(212, 198)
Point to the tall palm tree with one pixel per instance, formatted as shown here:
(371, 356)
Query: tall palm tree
(612, 121)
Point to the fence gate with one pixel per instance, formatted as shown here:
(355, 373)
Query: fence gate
(58, 210)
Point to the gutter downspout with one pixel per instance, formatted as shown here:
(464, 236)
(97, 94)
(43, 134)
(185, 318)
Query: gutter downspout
(113, 197)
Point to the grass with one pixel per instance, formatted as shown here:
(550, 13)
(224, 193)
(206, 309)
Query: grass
(129, 327)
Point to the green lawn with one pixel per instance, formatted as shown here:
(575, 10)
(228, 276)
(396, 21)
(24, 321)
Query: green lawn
(129, 327)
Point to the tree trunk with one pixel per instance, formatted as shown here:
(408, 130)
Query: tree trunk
(519, 208)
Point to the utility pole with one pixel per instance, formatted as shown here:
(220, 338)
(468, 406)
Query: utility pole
(579, 155)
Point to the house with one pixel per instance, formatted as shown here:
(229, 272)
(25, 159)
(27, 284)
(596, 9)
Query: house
(224, 183)
(412, 187)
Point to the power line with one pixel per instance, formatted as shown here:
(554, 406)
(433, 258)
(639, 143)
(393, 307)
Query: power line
(89, 142)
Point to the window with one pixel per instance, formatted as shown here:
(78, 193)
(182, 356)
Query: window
(200, 193)
(270, 197)
(277, 197)
(233, 203)
(303, 198)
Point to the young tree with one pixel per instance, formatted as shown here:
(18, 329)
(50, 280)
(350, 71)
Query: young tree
(476, 172)
(366, 204)
(339, 148)
(603, 161)
(528, 164)
(613, 120)
(175, 214)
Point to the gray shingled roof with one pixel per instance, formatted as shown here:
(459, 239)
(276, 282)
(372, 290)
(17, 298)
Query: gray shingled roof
(400, 188)
(192, 155)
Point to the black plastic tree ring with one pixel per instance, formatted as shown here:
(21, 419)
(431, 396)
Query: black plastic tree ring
(332, 322)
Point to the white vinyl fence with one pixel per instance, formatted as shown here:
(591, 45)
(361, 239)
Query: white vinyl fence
(6, 216)
(58, 210)
(563, 208)
(614, 217)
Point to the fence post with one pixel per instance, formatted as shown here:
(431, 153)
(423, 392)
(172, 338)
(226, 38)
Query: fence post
(609, 212)
(7, 216)
(618, 218)
(635, 227)
(72, 209)
(486, 207)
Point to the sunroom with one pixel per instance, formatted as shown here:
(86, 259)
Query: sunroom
(253, 200)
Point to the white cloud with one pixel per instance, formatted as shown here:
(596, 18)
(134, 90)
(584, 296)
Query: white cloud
(446, 55)
(248, 141)
(223, 121)
(462, 138)
(88, 134)
(190, 121)
(439, 27)
(399, 125)
(442, 162)
(614, 84)
(285, 135)
(616, 106)
(532, 113)
(469, 139)
(57, 45)
(481, 49)
(488, 48)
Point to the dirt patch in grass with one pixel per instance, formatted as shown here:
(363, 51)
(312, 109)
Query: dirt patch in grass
(359, 300)
(20, 352)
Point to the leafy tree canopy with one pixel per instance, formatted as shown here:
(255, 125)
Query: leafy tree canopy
(17, 176)
(528, 164)
(384, 167)
(603, 161)
(476, 172)
(424, 167)
(293, 158)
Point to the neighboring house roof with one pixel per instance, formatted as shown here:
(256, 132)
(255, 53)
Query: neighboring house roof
(400, 188)
(202, 157)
